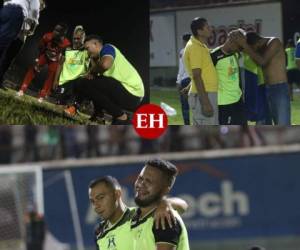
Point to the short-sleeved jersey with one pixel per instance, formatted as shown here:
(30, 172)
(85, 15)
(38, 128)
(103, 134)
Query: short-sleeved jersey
(117, 236)
(51, 49)
(123, 71)
(227, 67)
(197, 56)
(146, 236)
(290, 56)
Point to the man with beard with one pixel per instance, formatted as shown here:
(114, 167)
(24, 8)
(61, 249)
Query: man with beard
(51, 47)
(114, 232)
(153, 183)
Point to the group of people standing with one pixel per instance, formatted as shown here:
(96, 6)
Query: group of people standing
(212, 78)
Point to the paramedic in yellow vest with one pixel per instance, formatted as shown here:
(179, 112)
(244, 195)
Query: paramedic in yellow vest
(73, 64)
(114, 84)
(203, 98)
(291, 67)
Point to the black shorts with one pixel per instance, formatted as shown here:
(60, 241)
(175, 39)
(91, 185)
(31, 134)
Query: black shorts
(293, 76)
(232, 114)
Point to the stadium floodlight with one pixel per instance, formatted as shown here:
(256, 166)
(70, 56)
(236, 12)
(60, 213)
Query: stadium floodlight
(21, 191)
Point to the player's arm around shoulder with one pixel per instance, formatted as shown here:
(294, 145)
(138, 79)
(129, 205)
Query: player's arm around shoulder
(168, 238)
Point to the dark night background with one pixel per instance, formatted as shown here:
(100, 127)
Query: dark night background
(124, 24)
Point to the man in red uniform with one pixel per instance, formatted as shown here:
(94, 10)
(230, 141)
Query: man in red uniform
(51, 47)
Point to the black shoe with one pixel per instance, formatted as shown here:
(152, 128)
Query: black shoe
(116, 121)
(2, 86)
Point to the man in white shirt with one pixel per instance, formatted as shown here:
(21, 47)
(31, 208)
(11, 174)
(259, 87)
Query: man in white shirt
(18, 19)
(183, 80)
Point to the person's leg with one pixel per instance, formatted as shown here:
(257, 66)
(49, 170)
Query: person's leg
(52, 67)
(224, 114)
(237, 111)
(213, 98)
(31, 73)
(279, 103)
(11, 20)
(108, 94)
(290, 75)
(10, 55)
(185, 109)
(198, 117)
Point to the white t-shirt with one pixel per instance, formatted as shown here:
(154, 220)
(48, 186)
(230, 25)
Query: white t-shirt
(31, 8)
(182, 74)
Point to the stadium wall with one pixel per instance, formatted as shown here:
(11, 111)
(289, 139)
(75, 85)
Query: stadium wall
(237, 197)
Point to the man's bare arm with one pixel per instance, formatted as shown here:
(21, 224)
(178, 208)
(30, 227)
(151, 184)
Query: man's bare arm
(264, 59)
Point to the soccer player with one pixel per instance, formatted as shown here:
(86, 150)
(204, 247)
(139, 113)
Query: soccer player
(114, 230)
(297, 54)
(268, 52)
(230, 101)
(183, 80)
(73, 64)
(16, 17)
(153, 183)
(117, 87)
(291, 67)
(204, 83)
(50, 50)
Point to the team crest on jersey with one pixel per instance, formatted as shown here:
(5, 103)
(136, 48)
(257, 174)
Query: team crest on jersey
(111, 243)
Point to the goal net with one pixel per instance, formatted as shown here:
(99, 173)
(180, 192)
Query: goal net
(21, 191)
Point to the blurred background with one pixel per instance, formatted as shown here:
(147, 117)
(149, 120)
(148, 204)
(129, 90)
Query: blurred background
(241, 183)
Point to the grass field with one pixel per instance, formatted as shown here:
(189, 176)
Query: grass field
(171, 97)
(27, 110)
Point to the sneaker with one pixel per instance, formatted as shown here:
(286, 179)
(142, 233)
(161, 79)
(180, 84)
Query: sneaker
(120, 122)
(20, 93)
(41, 99)
(71, 110)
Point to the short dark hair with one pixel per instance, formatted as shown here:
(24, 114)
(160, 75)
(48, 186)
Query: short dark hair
(64, 26)
(252, 37)
(166, 167)
(93, 37)
(186, 37)
(196, 24)
(108, 180)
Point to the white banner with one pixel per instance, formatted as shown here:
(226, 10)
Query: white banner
(263, 18)
(162, 40)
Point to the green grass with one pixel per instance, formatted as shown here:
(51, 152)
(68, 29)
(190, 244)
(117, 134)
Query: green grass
(171, 97)
(27, 110)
